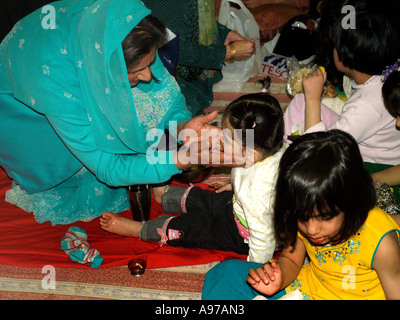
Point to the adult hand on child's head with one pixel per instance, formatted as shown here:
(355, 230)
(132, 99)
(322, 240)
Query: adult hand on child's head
(266, 279)
(196, 128)
(313, 84)
(202, 152)
(197, 124)
(205, 149)
(202, 145)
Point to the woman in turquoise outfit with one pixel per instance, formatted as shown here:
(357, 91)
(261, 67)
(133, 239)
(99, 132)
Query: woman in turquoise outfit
(79, 106)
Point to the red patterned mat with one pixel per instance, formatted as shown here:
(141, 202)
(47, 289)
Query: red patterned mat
(24, 242)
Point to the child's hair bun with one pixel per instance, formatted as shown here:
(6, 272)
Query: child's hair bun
(250, 122)
(265, 83)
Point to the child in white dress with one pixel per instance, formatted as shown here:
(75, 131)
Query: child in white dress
(238, 216)
(364, 115)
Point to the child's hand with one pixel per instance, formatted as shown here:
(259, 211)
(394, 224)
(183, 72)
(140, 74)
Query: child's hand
(221, 186)
(313, 84)
(266, 279)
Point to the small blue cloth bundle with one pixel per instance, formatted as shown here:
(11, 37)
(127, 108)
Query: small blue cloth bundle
(75, 245)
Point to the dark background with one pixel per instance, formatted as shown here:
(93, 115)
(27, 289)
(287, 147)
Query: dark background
(11, 11)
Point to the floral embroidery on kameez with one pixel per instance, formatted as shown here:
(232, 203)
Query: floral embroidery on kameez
(338, 253)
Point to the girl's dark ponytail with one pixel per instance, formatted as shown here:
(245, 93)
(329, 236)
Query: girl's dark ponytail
(265, 83)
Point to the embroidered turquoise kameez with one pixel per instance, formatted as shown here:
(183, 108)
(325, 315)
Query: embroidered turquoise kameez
(73, 133)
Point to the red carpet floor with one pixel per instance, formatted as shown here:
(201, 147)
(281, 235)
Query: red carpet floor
(24, 242)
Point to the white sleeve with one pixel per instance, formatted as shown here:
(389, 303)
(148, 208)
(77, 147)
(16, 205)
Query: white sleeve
(353, 120)
(258, 207)
(360, 119)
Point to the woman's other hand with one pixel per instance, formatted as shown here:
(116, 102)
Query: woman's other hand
(201, 144)
(243, 48)
(206, 151)
(187, 130)
(239, 50)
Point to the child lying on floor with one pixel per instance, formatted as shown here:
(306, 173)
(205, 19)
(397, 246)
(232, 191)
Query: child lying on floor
(238, 220)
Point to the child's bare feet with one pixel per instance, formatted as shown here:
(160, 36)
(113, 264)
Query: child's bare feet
(158, 191)
(119, 225)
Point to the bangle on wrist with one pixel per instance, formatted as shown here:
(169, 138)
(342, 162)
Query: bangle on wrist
(233, 51)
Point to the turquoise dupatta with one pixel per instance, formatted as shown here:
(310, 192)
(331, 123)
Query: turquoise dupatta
(68, 114)
(95, 30)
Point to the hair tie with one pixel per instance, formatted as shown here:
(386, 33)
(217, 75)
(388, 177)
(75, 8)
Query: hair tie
(390, 69)
(254, 125)
(264, 90)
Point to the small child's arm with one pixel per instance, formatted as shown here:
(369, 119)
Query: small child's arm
(387, 265)
(313, 85)
(275, 276)
(266, 279)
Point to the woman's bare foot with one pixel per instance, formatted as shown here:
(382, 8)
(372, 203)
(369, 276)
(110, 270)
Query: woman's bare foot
(158, 191)
(119, 225)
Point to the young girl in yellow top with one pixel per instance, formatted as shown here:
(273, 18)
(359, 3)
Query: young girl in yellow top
(325, 207)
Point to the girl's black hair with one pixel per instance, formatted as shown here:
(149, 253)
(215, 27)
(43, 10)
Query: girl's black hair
(330, 12)
(391, 94)
(322, 172)
(262, 113)
(148, 34)
(369, 47)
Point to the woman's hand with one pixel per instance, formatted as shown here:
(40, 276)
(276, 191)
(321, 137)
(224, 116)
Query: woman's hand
(206, 153)
(243, 48)
(266, 279)
(201, 144)
(189, 130)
